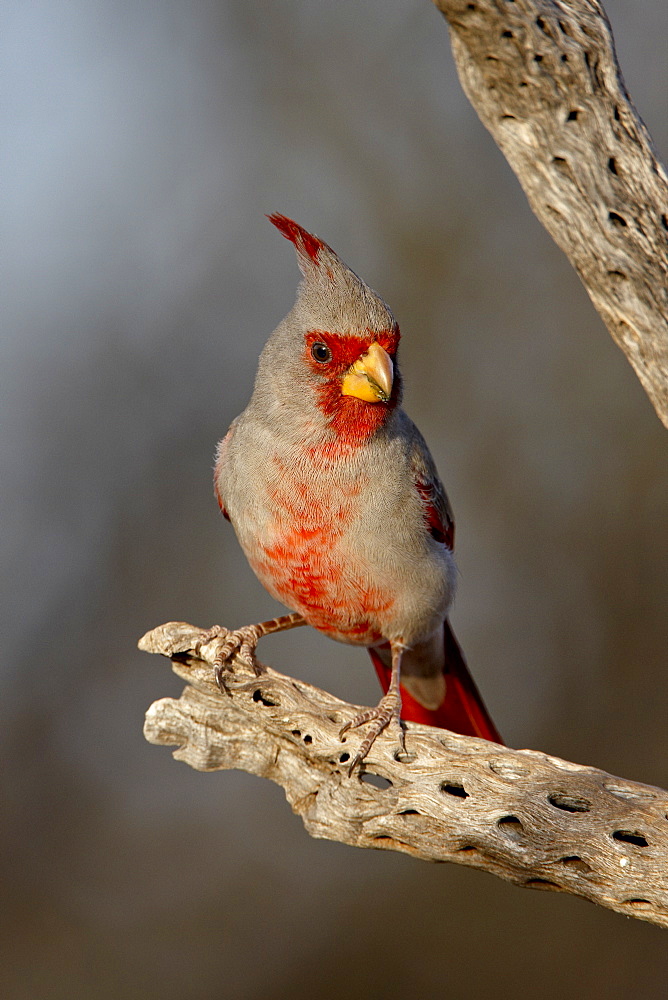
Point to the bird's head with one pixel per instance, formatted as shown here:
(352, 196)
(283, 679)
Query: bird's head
(335, 353)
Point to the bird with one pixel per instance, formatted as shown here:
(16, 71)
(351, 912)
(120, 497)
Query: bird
(337, 504)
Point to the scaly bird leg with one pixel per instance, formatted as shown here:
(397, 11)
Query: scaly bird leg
(242, 641)
(387, 710)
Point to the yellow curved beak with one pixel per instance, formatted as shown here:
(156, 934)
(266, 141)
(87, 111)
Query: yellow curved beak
(371, 377)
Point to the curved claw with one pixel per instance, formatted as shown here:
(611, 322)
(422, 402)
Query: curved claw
(344, 729)
(219, 673)
(357, 759)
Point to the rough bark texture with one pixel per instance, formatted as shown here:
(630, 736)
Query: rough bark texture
(544, 80)
(530, 818)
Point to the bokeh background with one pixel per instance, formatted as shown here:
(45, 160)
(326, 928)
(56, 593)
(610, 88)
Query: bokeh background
(144, 142)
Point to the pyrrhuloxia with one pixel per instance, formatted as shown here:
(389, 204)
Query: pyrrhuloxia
(337, 504)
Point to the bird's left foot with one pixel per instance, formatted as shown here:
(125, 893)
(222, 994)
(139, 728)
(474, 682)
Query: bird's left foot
(386, 711)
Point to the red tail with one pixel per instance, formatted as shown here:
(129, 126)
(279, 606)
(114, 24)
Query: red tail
(462, 710)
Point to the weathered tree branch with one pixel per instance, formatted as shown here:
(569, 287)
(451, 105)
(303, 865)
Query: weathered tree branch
(527, 817)
(543, 77)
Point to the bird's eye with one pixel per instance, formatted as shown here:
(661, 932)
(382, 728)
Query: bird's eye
(321, 352)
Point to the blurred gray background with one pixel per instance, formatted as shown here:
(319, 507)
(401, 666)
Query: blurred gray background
(143, 144)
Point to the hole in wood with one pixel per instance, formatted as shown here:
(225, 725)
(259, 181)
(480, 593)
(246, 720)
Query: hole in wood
(569, 803)
(409, 812)
(296, 732)
(538, 57)
(469, 849)
(470, 6)
(390, 842)
(508, 116)
(564, 27)
(576, 864)
(308, 739)
(640, 904)
(541, 24)
(561, 164)
(625, 792)
(630, 837)
(259, 697)
(612, 166)
(508, 769)
(344, 757)
(541, 883)
(555, 213)
(616, 219)
(377, 780)
(507, 34)
(572, 116)
(617, 274)
(511, 826)
(664, 220)
(452, 788)
(616, 113)
(564, 57)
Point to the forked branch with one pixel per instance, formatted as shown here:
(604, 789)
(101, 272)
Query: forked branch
(544, 79)
(525, 816)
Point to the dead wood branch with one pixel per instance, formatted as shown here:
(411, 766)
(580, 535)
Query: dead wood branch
(544, 79)
(527, 817)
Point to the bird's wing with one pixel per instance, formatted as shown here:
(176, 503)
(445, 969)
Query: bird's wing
(221, 451)
(438, 516)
